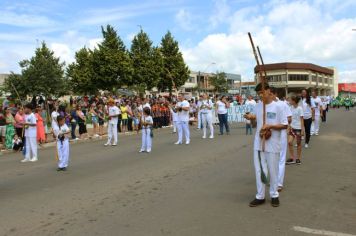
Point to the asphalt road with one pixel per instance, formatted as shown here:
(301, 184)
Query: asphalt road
(200, 189)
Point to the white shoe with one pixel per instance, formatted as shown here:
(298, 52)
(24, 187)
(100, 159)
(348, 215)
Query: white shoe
(204, 136)
(106, 144)
(306, 145)
(178, 143)
(141, 151)
(25, 160)
(148, 151)
(34, 159)
(312, 134)
(316, 134)
(114, 144)
(187, 143)
(211, 136)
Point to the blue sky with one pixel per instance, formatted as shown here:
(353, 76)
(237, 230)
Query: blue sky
(316, 31)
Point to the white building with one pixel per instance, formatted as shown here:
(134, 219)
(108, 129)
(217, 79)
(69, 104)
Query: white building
(198, 82)
(293, 77)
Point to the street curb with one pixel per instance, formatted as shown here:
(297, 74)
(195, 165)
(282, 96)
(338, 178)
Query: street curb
(53, 143)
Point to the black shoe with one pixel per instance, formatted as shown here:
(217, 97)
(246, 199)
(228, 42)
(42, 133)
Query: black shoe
(290, 161)
(59, 169)
(298, 162)
(275, 202)
(64, 169)
(257, 202)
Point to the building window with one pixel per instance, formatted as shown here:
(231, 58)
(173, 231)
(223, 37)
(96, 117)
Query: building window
(298, 77)
(274, 78)
(313, 78)
(191, 79)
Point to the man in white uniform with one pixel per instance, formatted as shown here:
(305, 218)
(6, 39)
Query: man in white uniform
(266, 153)
(199, 112)
(114, 113)
(318, 113)
(182, 109)
(250, 101)
(30, 135)
(284, 138)
(205, 109)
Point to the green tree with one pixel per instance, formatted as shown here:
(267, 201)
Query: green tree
(175, 72)
(111, 62)
(16, 85)
(80, 73)
(42, 74)
(219, 82)
(147, 63)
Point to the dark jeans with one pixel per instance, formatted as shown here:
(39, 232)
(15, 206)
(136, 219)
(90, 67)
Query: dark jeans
(119, 125)
(223, 122)
(307, 125)
(248, 129)
(19, 132)
(323, 119)
(129, 124)
(74, 126)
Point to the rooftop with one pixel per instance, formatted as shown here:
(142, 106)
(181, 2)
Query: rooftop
(295, 65)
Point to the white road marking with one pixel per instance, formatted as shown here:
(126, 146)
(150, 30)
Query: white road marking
(319, 232)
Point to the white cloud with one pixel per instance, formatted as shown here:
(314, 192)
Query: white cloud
(93, 43)
(347, 76)
(185, 20)
(24, 20)
(291, 31)
(3, 65)
(63, 51)
(220, 14)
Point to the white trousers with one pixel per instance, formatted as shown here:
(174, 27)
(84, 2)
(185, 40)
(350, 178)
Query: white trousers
(199, 120)
(282, 157)
(269, 162)
(146, 140)
(112, 133)
(183, 126)
(174, 126)
(207, 120)
(63, 153)
(315, 125)
(31, 147)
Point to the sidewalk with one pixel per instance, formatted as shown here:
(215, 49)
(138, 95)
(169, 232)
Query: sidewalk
(51, 142)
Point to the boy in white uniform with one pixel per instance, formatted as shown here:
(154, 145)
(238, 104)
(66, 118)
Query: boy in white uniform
(174, 116)
(318, 113)
(266, 154)
(113, 112)
(182, 108)
(30, 135)
(284, 139)
(205, 109)
(62, 133)
(147, 122)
